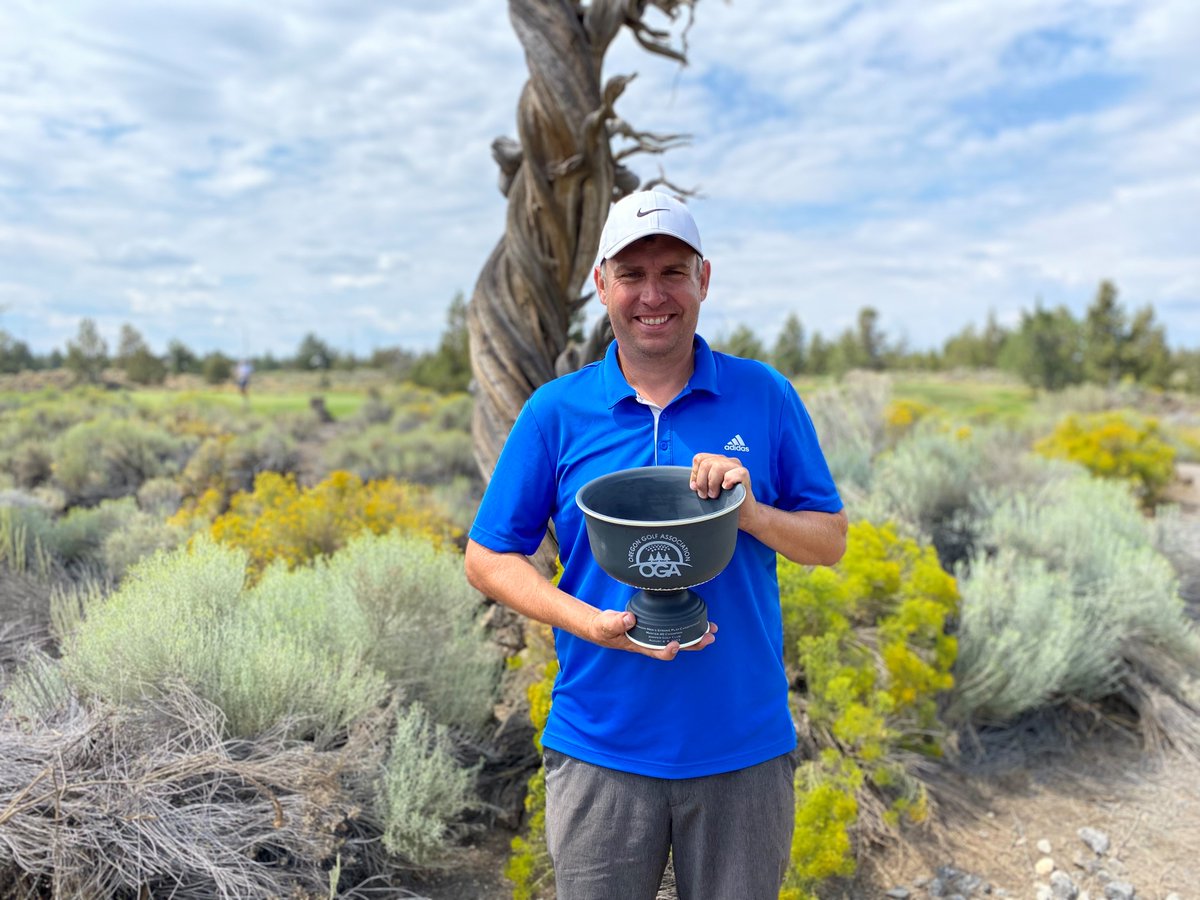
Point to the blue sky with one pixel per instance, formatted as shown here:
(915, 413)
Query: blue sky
(236, 176)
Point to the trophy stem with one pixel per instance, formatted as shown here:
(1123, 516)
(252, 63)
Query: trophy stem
(665, 616)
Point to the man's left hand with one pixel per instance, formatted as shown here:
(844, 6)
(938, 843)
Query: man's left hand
(712, 474)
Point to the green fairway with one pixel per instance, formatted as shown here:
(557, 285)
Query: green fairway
(266, 403)
(983, 395)
(965, 397)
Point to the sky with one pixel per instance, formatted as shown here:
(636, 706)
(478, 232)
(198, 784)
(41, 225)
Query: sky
(236, 175)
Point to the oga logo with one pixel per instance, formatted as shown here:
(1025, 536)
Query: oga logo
(659, 556)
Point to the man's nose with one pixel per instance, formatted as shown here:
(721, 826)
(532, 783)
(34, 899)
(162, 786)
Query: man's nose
(654, 289)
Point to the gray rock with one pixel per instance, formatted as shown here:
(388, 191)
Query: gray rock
(1119, 890)
(1094, 838)
(899, 893)
(1062, 886)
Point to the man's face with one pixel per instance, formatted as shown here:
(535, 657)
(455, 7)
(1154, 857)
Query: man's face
(653, 290)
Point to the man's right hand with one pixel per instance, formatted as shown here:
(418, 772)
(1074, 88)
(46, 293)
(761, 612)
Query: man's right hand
(609, 628)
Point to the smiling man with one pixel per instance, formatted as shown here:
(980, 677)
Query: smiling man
(673, 752)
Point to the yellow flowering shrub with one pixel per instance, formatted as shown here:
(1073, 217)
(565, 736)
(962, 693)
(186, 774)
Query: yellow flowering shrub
(280, 521)
(1116, 444)
(826, 810)
(870, 637)
(528, 868)
(901, 415)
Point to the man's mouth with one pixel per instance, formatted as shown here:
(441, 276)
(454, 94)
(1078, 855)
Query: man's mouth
(653, 320)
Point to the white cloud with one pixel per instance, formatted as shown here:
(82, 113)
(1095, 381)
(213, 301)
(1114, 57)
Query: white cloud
(240, 172)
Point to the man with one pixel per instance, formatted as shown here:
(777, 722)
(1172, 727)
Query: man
(656, 752)
(242, 375)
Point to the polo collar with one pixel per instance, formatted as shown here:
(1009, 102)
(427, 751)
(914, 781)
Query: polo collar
(704, 373)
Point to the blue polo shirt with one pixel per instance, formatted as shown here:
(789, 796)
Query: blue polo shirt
(716, 710)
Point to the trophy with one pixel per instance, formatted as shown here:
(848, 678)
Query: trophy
(647, 528)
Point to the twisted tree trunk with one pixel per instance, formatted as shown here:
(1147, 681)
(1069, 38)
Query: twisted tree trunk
(560, 177)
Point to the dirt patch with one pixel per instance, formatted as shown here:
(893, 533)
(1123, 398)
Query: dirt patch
(1148, 808)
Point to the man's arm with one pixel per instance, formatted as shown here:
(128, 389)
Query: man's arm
(512, 579)
(804, 536)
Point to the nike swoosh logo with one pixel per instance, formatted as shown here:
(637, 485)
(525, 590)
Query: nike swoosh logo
(646, 212)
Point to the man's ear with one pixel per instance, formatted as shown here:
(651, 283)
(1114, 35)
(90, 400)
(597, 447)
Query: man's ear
(598, 280)
(705, 275)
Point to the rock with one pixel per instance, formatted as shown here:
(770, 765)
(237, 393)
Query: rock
(1043, 847)
(899, 893)
(1095, 839)
(1044, 866)
(1044, 892)
(1063, 887)
(1119, 890)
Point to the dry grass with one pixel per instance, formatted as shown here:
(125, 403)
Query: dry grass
(152, 802)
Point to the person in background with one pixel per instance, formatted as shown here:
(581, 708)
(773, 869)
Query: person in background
(242, 375)
(680, 753)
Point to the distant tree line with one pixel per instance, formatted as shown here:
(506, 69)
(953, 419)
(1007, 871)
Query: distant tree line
(87, 356)
(1048, 348)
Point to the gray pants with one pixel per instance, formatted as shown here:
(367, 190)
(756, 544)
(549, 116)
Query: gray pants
(609, 833)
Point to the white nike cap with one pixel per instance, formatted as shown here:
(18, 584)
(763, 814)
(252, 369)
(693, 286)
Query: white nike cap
(645, 213)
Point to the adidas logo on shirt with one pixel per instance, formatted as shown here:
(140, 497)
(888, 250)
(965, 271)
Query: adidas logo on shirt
(737, 445)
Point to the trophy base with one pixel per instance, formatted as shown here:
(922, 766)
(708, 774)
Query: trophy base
(665, 616)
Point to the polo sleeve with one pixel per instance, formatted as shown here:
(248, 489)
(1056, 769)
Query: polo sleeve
(803, 474)
(519, 499)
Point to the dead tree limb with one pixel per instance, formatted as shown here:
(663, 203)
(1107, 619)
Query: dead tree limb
(560, 176)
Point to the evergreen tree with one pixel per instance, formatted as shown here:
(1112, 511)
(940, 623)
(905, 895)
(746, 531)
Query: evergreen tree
(1046, 351)
(180, 358)
(448, 368)
(313, 354)
(820, 355)
(971, 349)
(14, 354)
(136, 360)
(216, 367)
(872, 345)
(87, 355)
(1104, 337)
(1146, 355)
(789, 353)
(743, 342)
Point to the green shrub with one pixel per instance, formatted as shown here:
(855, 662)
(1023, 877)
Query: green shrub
(939, 484)
(22, 541)
(931, 482)
(424, 788)
(160, 497)
(424, 454)
(1121, 445)
(183, 617)
(849, 418)
(310, 649)
(1069, 589)
(112, 457)
(139, 536)
(408, 609)
(229, 462)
